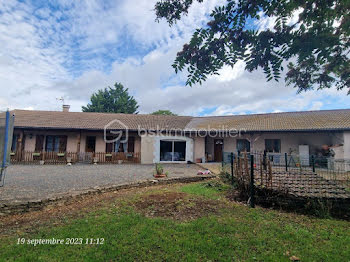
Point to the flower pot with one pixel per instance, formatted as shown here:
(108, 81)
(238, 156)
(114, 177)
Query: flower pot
(159, 175)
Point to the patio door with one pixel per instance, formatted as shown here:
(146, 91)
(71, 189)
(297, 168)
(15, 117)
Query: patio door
(172, 150)
(218, 149)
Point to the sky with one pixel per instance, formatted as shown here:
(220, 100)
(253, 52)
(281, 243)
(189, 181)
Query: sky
(70, 49)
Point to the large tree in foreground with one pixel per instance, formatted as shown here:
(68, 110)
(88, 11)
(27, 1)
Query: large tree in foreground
(163, 112)
(112, 100)
(312, 36)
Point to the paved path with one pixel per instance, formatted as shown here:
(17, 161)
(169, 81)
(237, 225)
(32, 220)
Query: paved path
(31, 182)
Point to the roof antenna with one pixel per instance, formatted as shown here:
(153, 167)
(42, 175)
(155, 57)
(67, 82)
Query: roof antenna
(60, 99)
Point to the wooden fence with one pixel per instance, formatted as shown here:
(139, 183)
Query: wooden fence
(59, 158)
(288, 179)
(115, 158)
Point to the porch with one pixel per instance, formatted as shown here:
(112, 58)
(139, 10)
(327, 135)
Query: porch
(70, 147)
(306, 144)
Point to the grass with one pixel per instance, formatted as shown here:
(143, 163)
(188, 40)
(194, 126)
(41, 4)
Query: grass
(212, 190)
(236, 233)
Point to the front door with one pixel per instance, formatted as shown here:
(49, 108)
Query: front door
(90, 144)
(218, 145)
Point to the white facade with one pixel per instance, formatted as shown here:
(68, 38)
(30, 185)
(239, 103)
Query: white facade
(290, 141)
(347, 144)
(150, 148)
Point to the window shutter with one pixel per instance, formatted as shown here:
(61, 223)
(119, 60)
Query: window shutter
(62, 143)
(39, 143)
(131, 144)
(109, 146)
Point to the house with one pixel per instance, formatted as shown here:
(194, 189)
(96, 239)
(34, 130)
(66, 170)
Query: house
(102, 137)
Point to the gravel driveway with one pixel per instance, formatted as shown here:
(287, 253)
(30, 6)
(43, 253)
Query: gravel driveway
(24, 183)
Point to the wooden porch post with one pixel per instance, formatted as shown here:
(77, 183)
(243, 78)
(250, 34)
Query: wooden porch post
(20, 145)
(78, 144)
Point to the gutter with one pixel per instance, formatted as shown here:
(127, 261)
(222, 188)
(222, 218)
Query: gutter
(188, 131)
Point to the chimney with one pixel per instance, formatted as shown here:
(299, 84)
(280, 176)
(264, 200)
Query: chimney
(65, 108)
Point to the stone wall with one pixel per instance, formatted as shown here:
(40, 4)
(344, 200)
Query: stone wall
(16, 208)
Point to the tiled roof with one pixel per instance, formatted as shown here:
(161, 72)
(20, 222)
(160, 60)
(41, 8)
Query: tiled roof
(97, 121)
(290, 121)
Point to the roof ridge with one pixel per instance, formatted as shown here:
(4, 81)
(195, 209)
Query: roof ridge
(277, 113)
(184, 116)
(310, 120)
(102, 113)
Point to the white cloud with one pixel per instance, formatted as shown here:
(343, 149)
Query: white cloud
(317, 105)
(227, 73)
(265, 22)
(82, 46)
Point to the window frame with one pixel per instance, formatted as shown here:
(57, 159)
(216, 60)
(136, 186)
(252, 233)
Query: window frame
(241, 140)
(111, 146)
(173, 141)
(56, 141)
(273, 144)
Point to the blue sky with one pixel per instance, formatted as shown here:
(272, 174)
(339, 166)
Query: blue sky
(70, 49)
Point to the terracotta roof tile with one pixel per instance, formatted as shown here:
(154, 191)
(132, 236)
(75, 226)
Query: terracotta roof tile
(307, 120)
(97, 121)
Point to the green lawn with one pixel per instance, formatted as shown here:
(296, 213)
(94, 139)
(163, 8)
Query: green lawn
(231, 232)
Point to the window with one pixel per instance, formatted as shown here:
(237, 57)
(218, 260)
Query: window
(273, 145)
(14, 143)
(179, 151)
(116, 146)
(56, 143)
(172, 150)
(243, 145)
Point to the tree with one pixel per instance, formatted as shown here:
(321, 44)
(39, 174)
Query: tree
(311, 36)
(164, 113)
(112, 100)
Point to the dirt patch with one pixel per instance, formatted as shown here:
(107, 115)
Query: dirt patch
(58, 212)
(175, 205)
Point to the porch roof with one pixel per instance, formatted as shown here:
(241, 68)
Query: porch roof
(290, 121)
